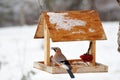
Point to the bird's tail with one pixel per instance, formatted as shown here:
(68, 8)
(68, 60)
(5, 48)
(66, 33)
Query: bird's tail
(70, 73)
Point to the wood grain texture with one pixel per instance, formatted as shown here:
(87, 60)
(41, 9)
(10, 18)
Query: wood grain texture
(93, 52)
(46, 45)
(77, 33)
(76, 68)
(40, 28)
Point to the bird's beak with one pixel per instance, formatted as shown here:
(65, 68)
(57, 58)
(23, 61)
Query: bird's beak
(53, 49)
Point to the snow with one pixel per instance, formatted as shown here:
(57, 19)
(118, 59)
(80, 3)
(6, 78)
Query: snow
(18, 51)
(91, 30)
(63, 22)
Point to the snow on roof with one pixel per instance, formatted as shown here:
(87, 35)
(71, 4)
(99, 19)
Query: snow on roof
(91, 30)
(71, 26)
(62, 22)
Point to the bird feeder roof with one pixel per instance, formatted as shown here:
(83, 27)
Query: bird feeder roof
(71, 26)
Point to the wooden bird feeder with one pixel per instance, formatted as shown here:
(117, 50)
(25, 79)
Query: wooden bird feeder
(70, 26)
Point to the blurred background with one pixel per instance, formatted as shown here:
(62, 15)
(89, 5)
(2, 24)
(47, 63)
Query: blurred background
(18, 49)
(20, 12)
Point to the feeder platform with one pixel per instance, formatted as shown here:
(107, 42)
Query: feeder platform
(77, 67)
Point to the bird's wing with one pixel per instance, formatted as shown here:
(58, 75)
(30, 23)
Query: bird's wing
(66, 63)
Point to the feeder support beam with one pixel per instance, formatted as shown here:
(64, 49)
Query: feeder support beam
(93, 52)
(46, 45)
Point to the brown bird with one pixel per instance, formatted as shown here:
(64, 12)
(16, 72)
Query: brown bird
(61, 60)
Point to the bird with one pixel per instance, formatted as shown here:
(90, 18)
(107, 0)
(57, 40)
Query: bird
(87, 57)
(61, 60)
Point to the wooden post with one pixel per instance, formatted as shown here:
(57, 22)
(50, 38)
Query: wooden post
(46, 45)
(93, 52)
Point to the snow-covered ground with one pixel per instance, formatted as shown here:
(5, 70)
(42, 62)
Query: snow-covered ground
(18, 51)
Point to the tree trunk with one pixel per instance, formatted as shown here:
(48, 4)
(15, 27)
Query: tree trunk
(119, 31)
(75, 5)
(119, 38)
(22, 16)
(93, 5)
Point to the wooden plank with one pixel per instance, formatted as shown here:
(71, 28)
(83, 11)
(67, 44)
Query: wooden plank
(46, 45)
(42, 66)
(76, 68)
(93, 52)
(90, 69)
(93, 29)
(40, 28)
